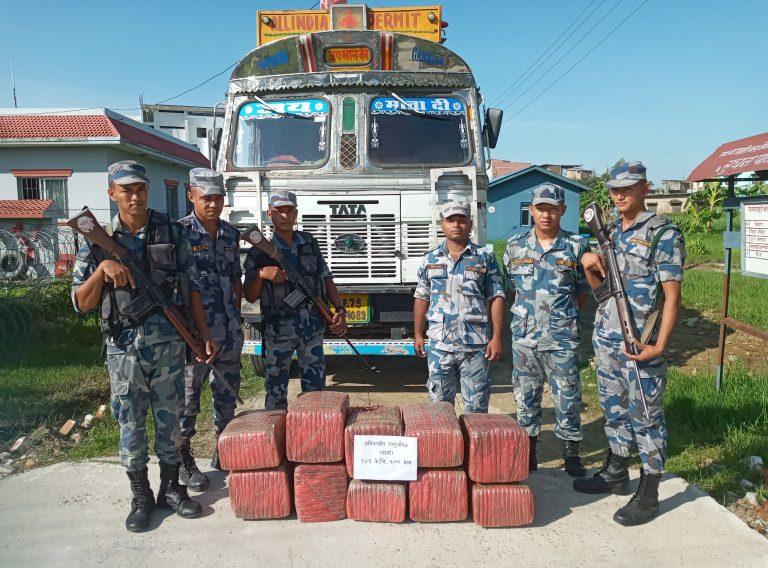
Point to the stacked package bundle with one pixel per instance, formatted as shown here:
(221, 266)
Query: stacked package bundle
(253, 441)
(438, 495)
(378, 501)
(437, 429)
(497, 448)
(261, 494)
(369, 421)
(502, 505)
(315, 427)
(320, 492)
(252, 448)
(497, 456)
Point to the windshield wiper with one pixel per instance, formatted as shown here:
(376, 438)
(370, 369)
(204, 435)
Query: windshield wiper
(270, 108)
(410, 110)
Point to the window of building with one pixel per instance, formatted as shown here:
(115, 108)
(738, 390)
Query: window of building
(675, 206)
(53, 188)
(525, 215)
(652, 206)
(202, 133)
(172, 199)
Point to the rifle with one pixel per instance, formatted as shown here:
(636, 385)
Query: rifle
(613, 287)
(149, 297)
(303, 293)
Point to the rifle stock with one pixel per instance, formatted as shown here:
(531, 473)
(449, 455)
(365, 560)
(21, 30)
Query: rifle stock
(87, 225)
(303, 292)
(613, 287)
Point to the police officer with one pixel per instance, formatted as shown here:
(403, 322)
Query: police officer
(456, 283)
(216, 252)
(288, 330)
(145, 359)
(650, 252)
(548, 285)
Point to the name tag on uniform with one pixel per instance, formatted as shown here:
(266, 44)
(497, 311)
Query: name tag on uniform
(526, 260)
(564, 262)
(198, 248)
(230, 249)
(481, 269)
(436, 266)
(637, 241)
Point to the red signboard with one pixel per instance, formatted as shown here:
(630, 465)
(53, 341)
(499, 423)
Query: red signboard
(745, 155)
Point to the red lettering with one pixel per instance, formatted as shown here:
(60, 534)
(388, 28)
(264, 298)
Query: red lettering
(415, 16)
(379, 21)
(398, 20)
(323, 22)
(388, 21)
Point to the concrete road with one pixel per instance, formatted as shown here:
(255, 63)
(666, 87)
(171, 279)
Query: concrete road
(72, 515)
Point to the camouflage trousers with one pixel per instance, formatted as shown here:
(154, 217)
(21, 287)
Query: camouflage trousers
(150, 376)
(447, 368)
(227, 363)
(560, 368)
(622, 404)
(281, 341)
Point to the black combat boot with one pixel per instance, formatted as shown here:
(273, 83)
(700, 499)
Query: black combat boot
(189, 473)
(143, 502)
(612, 478)
(173, 495)
(644, 504)
(215, 464)
(573, 465)
(533, 463)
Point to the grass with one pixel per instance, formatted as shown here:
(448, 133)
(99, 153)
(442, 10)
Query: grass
(703, 291)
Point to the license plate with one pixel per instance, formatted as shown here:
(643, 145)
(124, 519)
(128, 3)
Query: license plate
(358, 308)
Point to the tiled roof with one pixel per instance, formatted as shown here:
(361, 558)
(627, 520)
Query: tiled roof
(56, 126)
(80, 127)
(24, 208)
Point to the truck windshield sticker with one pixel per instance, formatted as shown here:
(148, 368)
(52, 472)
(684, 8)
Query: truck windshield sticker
(419, 130)
(443, 105)
(278, 109)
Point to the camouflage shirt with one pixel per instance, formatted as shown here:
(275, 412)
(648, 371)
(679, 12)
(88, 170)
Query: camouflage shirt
(458, 294)
(642, 274)
(218, 267)
(546, 285)
(156, 328)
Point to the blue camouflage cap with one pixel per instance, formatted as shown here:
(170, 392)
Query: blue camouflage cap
(548, 193)
(127, 172)
(454, 208)
(280, 198)
(625, 174)
(208, 181)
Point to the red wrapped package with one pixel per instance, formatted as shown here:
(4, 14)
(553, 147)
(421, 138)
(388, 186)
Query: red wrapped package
(261, 494)
(255, 440)
(378, 501)
(438, 495)
(497, 448)
(435, 425)
(369, 421)
(320, 492)
(502, 505)
(315, 427)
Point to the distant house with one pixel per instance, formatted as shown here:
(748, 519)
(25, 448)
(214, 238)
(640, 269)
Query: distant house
(62, 156)
(501, 168)
(188, 123)
(571, 171)
(509, 200)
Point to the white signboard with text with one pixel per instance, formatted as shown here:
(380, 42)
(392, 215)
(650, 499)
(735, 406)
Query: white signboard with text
(386, 458)
(754, 246)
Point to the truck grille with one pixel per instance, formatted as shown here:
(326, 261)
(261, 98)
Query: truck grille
(417, 239)
(376, 263)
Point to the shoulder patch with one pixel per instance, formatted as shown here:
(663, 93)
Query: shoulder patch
(565, 262)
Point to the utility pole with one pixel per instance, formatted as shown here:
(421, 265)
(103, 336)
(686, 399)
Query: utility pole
(13, 81)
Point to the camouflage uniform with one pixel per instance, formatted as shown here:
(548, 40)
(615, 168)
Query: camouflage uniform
(218, 266)
(285, 330)
(619, 395)
(458, 294)
(145, 362)
(545, 327)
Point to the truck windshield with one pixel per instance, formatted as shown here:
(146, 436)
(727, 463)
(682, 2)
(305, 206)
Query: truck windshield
(287, 133)
(426, 130)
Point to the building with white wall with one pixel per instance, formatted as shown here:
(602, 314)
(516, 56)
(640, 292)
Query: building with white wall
(188, 123)
(62, 155)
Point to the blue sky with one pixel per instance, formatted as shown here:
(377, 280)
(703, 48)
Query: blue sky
(673, 82)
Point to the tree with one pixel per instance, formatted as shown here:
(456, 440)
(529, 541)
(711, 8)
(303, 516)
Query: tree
(705, 206)
(598, 192)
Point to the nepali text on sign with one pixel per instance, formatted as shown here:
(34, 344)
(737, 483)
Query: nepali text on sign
(386, 458)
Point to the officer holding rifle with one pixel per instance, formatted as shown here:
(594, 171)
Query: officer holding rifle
(290, 329)
(650, 253)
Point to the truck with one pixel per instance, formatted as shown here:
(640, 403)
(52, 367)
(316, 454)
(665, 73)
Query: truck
(373, 123)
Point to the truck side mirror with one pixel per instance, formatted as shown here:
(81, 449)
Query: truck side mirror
(492, 126)
(214, 143)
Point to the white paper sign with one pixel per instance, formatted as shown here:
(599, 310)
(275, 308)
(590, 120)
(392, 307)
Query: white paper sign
(386, 458)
